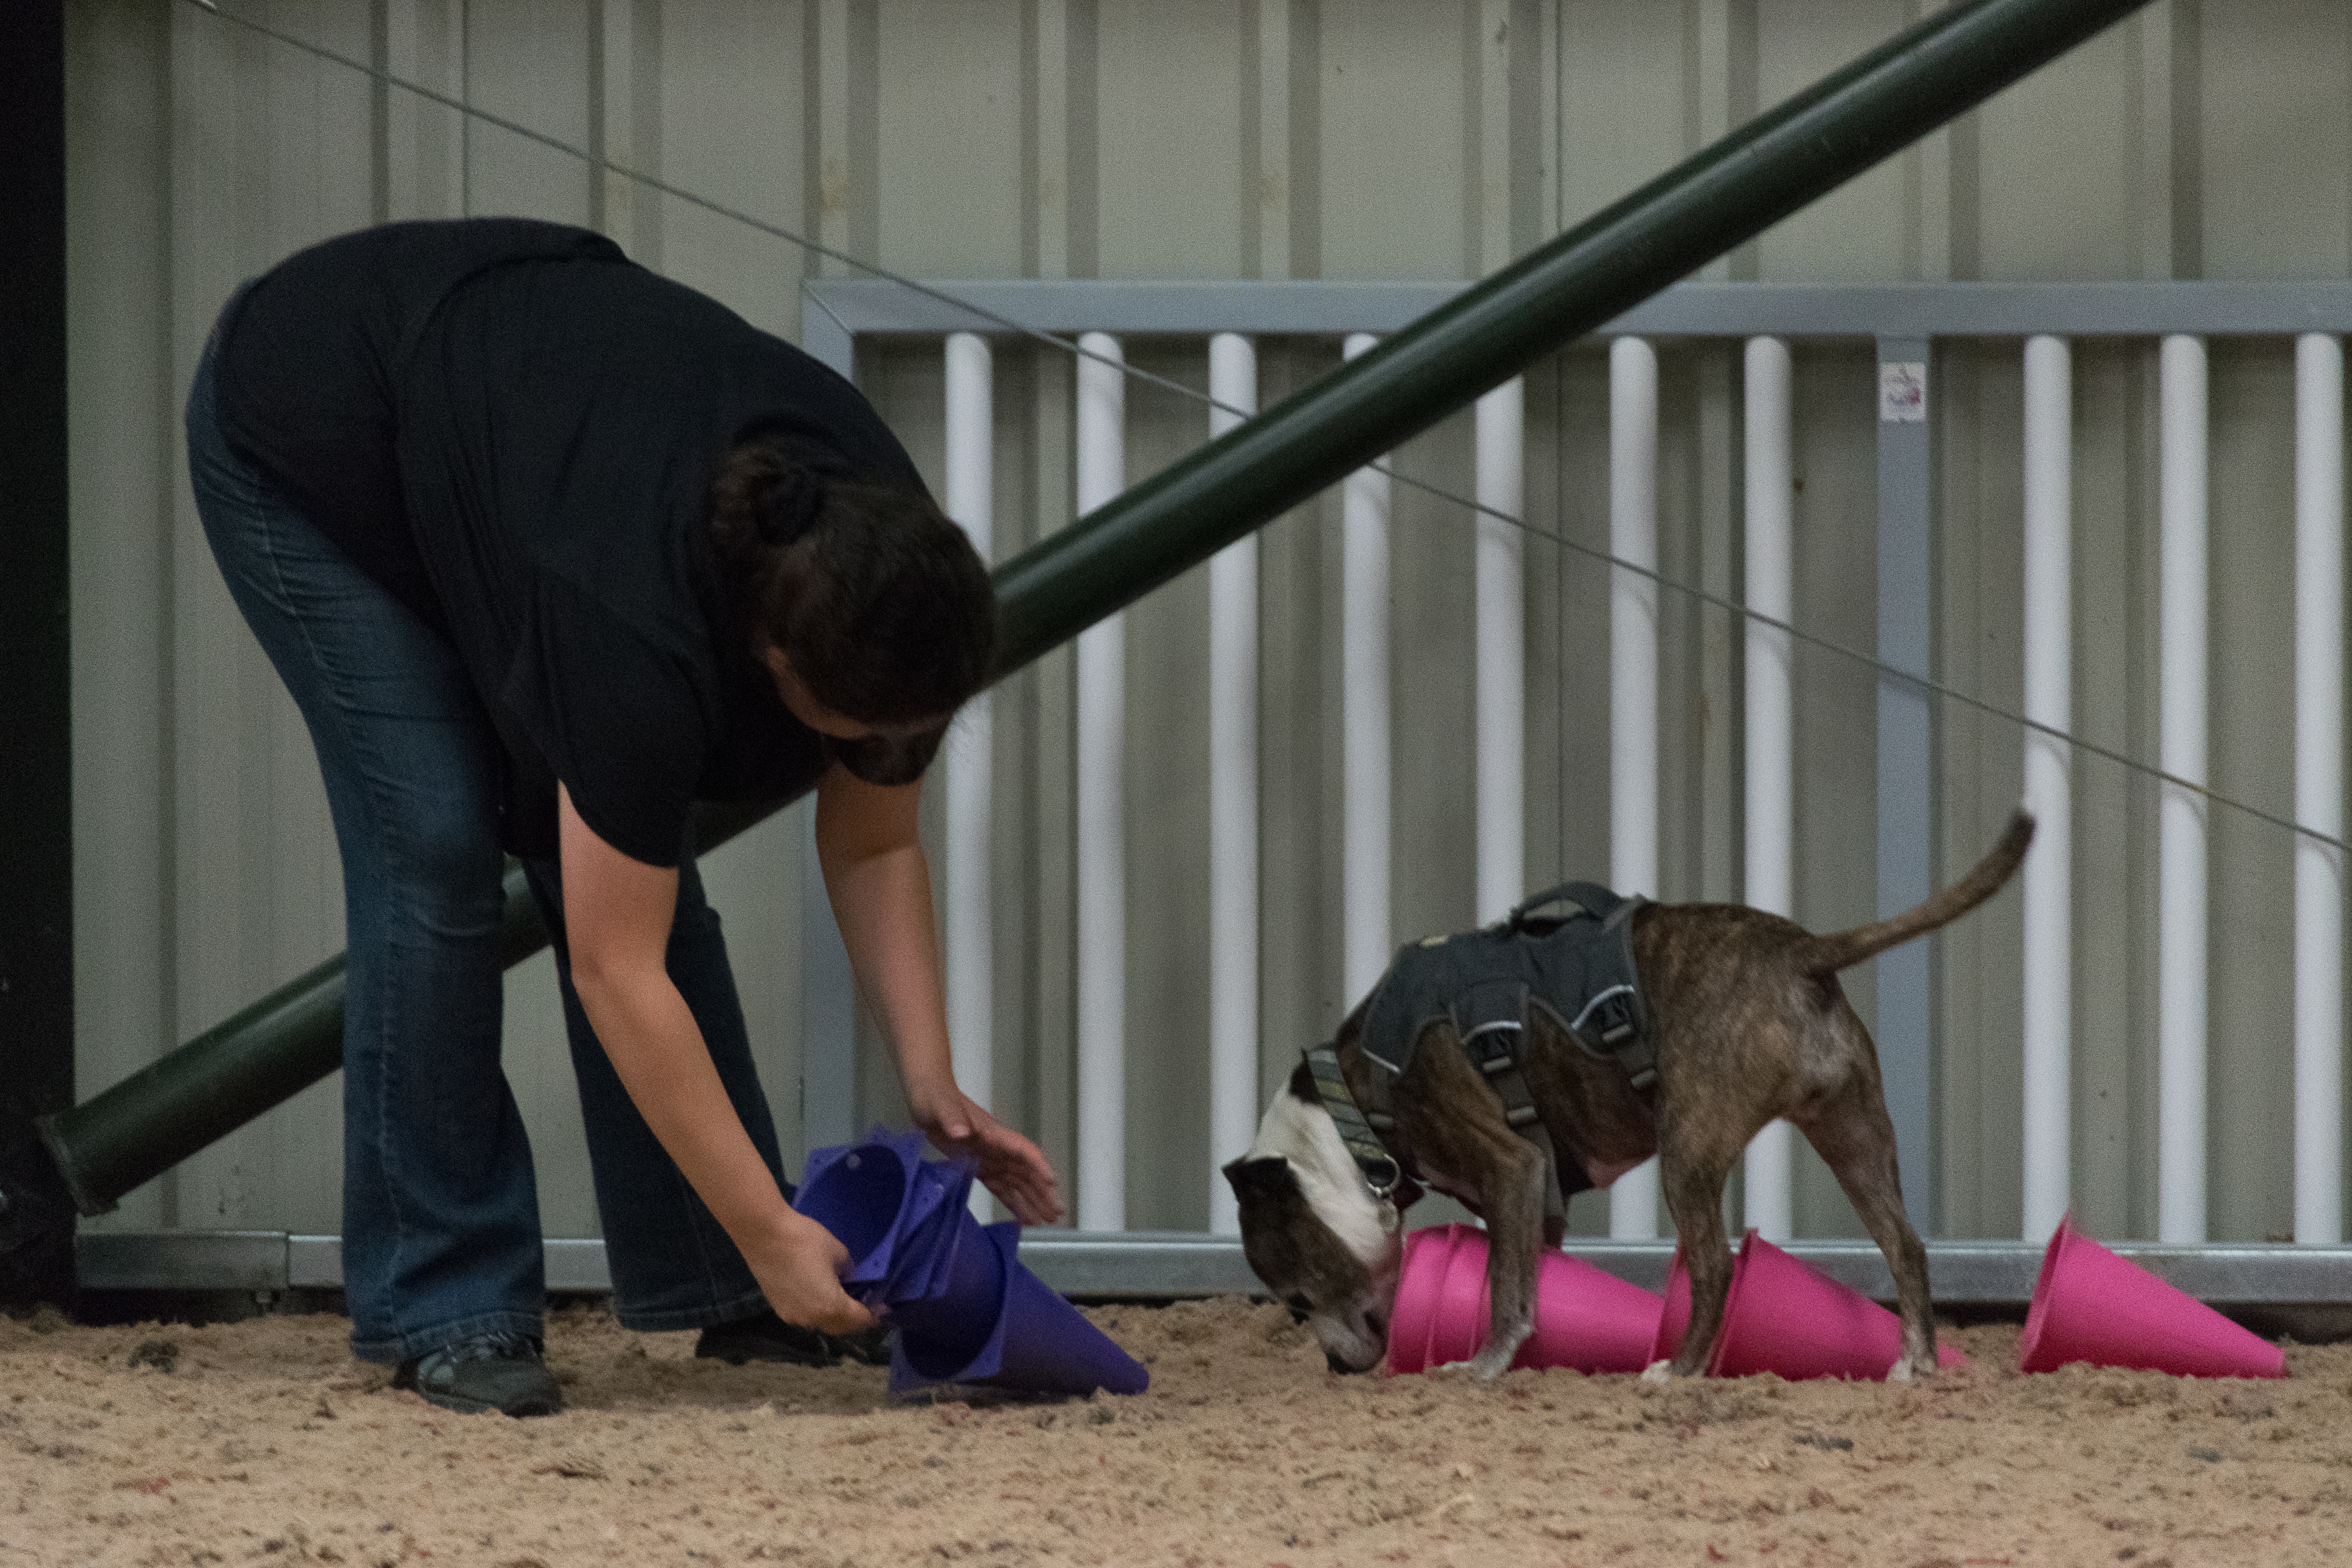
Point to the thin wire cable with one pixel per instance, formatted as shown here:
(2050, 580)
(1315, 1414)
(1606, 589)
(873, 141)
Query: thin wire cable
(1916, 682)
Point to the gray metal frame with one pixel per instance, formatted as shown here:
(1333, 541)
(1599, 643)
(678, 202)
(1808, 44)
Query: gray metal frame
(2283, 1288)
(836, 311)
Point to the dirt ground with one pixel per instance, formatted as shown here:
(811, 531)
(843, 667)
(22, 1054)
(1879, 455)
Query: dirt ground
(265, 1442)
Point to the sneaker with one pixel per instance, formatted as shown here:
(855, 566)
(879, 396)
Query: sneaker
(769, 1337)
(487, 1371)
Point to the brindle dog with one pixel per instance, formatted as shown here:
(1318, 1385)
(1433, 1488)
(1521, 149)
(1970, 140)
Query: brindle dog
(1749, 1022)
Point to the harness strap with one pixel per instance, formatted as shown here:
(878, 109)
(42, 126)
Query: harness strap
(1491, 1021)
(1612, 1024)
(1380, 1170)
(1614, 1019)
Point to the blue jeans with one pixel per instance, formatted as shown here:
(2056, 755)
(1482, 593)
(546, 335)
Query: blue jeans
(440, 1206)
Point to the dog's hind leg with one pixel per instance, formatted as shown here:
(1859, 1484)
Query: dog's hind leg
(1855, 1136)
(1692, 1180)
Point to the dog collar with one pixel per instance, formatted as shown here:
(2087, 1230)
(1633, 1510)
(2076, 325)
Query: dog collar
(1380, 1172)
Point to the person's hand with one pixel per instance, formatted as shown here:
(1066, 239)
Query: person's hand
(800, 1272)
(1010, 1166)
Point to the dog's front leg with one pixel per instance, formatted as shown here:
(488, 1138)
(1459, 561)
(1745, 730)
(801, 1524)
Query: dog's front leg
(1514, 1215)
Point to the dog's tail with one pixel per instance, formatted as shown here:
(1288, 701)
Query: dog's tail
(1823, 954)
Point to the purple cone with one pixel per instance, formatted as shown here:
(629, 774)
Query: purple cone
(941, 1212)
(1028, 1337)
(966, 1309)
(864, 1193)
(952, 1326)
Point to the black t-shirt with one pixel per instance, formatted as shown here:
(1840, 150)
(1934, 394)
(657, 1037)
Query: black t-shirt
(514, 428)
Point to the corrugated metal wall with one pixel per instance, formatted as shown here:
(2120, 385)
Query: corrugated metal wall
(1253, 139)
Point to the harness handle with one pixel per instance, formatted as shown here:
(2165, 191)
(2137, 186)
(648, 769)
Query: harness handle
(1565, 893)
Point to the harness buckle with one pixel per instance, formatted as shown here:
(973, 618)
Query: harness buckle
(1611, 1018)
(1490, 1046)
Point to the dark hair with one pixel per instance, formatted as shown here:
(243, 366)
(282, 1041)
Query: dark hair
(881, 603)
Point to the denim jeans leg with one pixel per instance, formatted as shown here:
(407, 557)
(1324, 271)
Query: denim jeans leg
(440, 1207)
(672, 1265)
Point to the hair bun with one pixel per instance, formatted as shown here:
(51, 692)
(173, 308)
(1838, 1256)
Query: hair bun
(789, 508)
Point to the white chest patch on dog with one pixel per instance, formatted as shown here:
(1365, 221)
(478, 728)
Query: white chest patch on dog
(1305, 1136)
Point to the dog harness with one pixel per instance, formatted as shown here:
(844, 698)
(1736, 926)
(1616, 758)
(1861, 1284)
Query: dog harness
(1575, 963)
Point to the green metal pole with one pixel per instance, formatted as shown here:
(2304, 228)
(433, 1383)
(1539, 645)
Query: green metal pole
(261, 1058)
(1729, 194)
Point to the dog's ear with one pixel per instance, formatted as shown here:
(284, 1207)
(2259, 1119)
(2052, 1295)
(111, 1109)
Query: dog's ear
(1262, 1179)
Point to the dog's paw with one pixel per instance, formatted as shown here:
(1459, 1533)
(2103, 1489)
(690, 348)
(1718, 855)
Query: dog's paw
(1901, 1371)
(1908, 1369)
(1487, 1365)
(1662, 1371)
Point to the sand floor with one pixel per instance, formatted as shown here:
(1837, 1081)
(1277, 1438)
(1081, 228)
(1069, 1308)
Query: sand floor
(264, 1442)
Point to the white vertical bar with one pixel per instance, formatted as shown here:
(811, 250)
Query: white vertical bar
(1634, 683)
(1770, 551)
(1232, 809)
(1102, 847)
(1364, 719)
(1771, 816)
(2048, 875)
(2319, 787)
(1502, 652)
(2180, 812)
(970, 949)
(1906, 754)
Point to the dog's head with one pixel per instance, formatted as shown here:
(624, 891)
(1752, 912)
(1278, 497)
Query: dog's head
(1314, 1232)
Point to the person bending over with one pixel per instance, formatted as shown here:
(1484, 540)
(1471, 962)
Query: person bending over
(547, 548)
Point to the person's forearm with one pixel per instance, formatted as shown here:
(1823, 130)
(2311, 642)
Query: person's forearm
(883, 902)
(655, 1046)
(881, 891)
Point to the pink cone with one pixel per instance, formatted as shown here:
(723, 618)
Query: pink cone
(1585, 1317)
(1782, 1316)
(1419, 1277)
(1673, 1322)
(1459, 1327)
(2089, 1305)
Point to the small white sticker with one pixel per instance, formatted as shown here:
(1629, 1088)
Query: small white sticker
(1902, 391)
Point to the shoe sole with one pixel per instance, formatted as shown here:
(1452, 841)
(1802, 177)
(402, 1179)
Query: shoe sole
(548, 1406)
(484, 1407)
